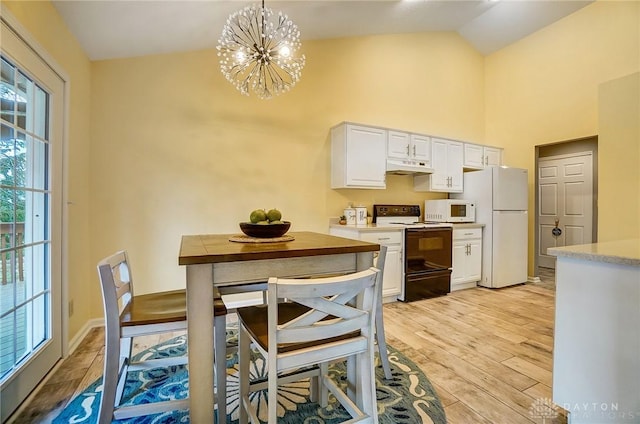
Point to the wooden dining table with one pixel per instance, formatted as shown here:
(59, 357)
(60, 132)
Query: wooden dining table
(212, 260)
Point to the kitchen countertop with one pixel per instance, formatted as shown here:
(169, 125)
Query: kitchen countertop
(622, 252)
(468, 225)
(376, 227)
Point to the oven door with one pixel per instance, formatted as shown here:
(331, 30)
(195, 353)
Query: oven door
(427, 284)
(427, 249)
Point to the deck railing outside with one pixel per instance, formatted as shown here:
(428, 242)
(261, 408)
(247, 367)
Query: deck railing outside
(12, 292)
(6, 235)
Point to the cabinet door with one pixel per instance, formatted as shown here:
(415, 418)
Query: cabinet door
(455, 158)
(392, 281)
(421, 148)
(398, 145)
(439, 177)
(492, 156)
(459, 263)
(473, 156)
(366, 157)
(474, 260)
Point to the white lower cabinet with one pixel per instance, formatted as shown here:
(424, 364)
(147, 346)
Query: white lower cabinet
(392, 282)
(467, 258)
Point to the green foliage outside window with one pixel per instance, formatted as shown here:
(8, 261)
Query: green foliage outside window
(13, 160)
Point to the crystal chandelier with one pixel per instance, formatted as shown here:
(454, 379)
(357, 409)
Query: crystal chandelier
(259, 52)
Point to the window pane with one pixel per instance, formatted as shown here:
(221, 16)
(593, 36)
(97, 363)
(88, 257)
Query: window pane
(34, 217)
(7, 92)
(40, 113)
(34, 263)
(21, 331)
(40, 323)
(7, 343)
(7, 211)
(7, 301)
(7, 157)
(23, 89)
(23, 289)
(19, 206)
(35, 166)
(20, 159)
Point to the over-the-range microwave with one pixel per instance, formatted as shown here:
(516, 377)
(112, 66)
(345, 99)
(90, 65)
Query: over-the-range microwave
(449, 210)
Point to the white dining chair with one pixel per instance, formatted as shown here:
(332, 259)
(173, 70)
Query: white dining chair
(324, 319)
(128, 316)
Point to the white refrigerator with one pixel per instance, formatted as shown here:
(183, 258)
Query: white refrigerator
(501, 198)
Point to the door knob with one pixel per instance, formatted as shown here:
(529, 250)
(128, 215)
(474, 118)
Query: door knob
(556, 231)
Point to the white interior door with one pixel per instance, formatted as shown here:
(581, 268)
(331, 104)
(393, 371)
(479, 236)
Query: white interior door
(565, 203)
(31, 120)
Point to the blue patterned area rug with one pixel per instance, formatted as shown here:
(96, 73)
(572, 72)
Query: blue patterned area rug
(408, 398)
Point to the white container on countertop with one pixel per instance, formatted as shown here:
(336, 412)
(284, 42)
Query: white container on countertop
(361, 215)
(350, 215)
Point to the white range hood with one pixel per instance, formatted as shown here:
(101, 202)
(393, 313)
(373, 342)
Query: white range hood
(407, 167)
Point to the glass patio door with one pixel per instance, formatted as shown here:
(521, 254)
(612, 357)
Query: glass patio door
(31, 97)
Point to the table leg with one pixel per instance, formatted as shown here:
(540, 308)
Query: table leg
(200, 340)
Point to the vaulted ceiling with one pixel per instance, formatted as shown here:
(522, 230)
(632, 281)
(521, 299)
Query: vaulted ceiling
(116, 29)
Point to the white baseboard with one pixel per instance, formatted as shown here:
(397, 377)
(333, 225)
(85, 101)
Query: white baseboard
(80, 335)
(534, 280)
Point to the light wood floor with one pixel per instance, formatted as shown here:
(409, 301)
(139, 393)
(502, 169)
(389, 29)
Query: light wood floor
(488, 354)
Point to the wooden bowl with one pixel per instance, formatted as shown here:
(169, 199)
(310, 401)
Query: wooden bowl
(265, 230)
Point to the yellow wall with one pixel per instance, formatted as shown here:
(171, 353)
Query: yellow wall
(177, 150)
(544, 89)
(619, 145)
(46, 26)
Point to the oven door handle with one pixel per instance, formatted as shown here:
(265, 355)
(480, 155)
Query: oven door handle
(418, 276)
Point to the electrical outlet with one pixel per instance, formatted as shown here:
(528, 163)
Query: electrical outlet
(70, 308)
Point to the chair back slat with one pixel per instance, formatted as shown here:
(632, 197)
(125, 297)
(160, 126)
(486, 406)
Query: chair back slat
(116, 283)
(321, 308)
(330, 315)
(323, 330)
(321, 287)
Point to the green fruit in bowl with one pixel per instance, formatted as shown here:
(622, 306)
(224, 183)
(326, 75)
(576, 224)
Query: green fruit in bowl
(274, 215)
(257, 216)
(265, 222)
(276, 222)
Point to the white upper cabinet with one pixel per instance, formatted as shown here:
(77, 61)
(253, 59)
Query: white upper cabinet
(358, 156)
(398, 145)
(492, 156)
(421, 148)
(402, 145)
(477, 156)
(446, 161)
